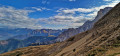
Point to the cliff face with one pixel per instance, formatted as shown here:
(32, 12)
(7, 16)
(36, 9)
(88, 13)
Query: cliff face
(86, 26)
(104, 35)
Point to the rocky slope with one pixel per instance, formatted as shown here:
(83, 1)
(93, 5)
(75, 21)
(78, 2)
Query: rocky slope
(97, 41)
(86, 26)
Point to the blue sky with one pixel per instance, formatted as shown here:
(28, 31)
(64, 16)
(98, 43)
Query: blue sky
(52, 14)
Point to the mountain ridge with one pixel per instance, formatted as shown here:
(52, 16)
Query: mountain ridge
(86, 26)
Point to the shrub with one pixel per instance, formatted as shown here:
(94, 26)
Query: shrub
(71, 39)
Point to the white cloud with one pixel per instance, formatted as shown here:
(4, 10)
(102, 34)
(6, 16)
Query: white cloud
(68, 17)
(67, 11)
(40, 8)
(107, 0)
(72, 0)
(67, 21)
(16, 18)
(45, 2)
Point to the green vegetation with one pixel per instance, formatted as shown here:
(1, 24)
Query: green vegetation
(98, 52)
(71, 39)
(103, 49)
(16, 53)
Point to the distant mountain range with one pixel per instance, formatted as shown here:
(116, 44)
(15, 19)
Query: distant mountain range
(41, 32)
(11, 44)
(6, 33)
(23, 33)
(22, 37)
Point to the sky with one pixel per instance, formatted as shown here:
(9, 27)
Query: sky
(50, 14)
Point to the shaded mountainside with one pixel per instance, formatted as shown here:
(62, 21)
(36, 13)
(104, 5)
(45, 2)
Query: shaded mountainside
(98, 41)
(12, 44)
(6, 33)
(23, 37)
(86, 26)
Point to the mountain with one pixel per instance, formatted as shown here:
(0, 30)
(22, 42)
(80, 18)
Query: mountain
(12, 44)
(23, 33)
(6, 33)
(23, 37)
(98, 41)
(40, 32)
(65, 34)
(86, 26)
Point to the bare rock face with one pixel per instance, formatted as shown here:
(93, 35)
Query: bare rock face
(86, 26)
